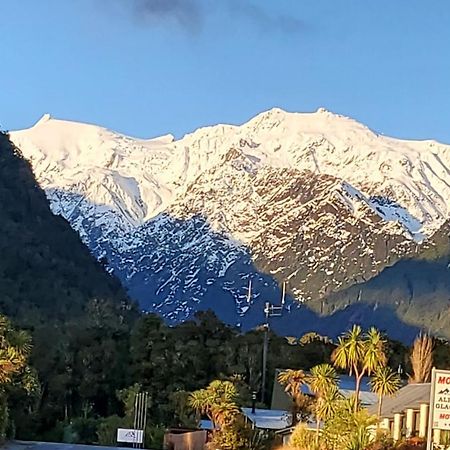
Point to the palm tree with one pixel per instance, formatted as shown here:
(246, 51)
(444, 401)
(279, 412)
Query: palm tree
(201, 402)
(224, 413)
(321, 378)
(360, 354)
(384, 382)
(327, 403)
(375, 356)
(422, 359)
(323, 383)
(326, 406)
(292, 380)
(217, 401)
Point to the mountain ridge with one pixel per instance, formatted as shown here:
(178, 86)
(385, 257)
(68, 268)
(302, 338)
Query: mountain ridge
(315, 199)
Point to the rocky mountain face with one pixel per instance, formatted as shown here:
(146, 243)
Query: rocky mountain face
(317, 201)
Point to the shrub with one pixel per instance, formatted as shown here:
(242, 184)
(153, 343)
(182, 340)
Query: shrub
(303, 438)
(107, 430)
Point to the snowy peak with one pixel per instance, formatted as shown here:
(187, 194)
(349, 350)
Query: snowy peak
(410, 174)
(45, 118)
(317, 199)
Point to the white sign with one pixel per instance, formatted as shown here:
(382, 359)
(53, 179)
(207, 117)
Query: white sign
(130, 435)
(441, 399)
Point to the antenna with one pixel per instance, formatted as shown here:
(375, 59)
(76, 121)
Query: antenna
(249, 291)
(274, 310)
(283, 296)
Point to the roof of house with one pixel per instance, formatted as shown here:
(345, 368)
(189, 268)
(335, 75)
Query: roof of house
(206, 424)
(409, 396)
(268, 419)
(346, 387)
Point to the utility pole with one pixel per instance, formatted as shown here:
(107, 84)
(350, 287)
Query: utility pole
(269, 311)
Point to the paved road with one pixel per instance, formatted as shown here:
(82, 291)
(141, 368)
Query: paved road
(21, 445)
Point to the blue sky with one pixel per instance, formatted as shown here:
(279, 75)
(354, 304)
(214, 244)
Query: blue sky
(181, 64)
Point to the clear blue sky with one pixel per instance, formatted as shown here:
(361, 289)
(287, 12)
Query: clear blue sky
(175, 65)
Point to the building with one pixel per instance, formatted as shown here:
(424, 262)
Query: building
(280, 400)
(262, 419)
(185, 439)
(268, 419)
(406, 413)
(286, 433)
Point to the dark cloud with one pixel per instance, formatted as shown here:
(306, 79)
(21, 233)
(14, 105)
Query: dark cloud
(191, 14)
(264, 20)
(187, 13)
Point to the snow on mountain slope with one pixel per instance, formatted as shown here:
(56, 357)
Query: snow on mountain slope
(146, 175)
(314, 198)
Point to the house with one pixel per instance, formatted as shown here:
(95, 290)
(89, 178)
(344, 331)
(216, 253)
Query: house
(286, 433)
(267, 419)
(185, 439)
(280, 400)
(263, 419)
(406, 413)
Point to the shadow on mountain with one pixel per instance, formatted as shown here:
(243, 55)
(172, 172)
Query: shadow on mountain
(418, 289)
(175, 267)
(45, 271)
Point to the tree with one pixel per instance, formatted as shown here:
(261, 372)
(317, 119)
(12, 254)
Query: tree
(347, 429)
(360, 353)
(47, 280)
(327, 403)
(217, 401)
(422, 358)
(301, 438)
(384, 382)
(322, 382)
(15, 347)
(292, 380)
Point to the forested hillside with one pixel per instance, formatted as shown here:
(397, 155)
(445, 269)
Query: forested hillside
(415, 290)
(78, 315)
(44, 269)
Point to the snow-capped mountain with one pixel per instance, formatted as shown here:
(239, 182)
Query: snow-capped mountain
(315, 199)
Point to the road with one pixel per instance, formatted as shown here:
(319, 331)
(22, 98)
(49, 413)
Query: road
(21, 445)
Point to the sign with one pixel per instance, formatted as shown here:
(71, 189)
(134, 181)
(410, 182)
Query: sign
(440, 401)
(130, 435)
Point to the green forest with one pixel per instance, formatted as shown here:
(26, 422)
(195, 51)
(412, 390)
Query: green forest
(75, 350)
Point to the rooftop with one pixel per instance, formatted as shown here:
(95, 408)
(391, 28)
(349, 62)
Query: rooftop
(268, 419)
(281, 400)
(409, 396)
